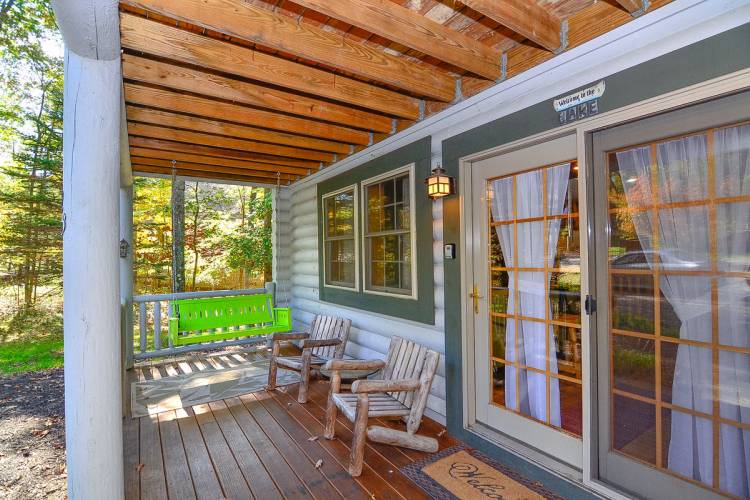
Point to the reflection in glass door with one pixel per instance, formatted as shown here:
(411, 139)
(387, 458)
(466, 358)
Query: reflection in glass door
(678, 274)
(535, 302)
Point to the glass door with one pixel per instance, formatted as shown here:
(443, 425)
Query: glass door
(527, 266)
(673, 278)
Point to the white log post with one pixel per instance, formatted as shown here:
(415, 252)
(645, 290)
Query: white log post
(91, 278)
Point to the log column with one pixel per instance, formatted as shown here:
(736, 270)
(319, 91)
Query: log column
(91, 277)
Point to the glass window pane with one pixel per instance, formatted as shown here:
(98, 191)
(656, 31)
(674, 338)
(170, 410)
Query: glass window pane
(499, 291)
(733, 236)
(345, 214)
(731, 460)
(377, 248)
(330, 216)
(565, 297)
(688, 447)
(630, 178)
(682, 167)
(498, 337)
(373, 204)
(531, 244)
(392, 275)
(734, 311)
(496, 252)
(683, 239)
(734, 381)
(567, 348)
(377, 274)
(405, 248)
(530, 202)
(634, 428)
(562, 186)
(634, 365)
(498, 383)
(389, 191)
(532, 297)
(632, 303)
(686, 376)
(568, 251)
(391, 248)
(571, 407)
(732, 153)
(402, 216)
(532, 349)
(406, 276)
(388, 218)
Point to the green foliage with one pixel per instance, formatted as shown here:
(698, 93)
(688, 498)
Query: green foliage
(152, 238)
(250, 247)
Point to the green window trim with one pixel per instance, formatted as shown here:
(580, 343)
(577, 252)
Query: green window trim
(419, 305)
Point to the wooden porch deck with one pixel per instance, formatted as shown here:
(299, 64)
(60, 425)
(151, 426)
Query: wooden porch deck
(260, 445)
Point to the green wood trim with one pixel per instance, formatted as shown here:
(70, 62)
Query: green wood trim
(421, 309)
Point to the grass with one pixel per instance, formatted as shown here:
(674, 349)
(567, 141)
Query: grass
(30, 340)
(27, 355)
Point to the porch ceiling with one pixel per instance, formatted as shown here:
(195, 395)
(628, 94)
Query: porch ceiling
(269, 91)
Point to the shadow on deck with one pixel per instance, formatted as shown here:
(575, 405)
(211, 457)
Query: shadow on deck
(258, 445)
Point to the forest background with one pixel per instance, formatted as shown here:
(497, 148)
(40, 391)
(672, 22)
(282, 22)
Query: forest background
(225, 235)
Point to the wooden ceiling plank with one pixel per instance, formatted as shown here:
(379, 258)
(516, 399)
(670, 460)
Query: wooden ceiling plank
(183, 103)
(220, 152)
(162, 163)
(211, 85)
(147, 169)
(413, 30)
(630, 5)
(174, 120)
(190, 137)
(265, 27)
(524, 17)
(179, 157)
(158, 39)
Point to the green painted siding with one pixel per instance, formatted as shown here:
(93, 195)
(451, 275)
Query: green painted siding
(422, 309)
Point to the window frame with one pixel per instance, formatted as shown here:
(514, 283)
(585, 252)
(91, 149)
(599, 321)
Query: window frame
(406, 169)
(354, 237)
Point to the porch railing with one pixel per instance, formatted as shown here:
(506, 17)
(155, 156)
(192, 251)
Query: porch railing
(151, 314)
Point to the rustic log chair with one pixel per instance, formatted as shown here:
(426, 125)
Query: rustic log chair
(326, 341)
(401, 392)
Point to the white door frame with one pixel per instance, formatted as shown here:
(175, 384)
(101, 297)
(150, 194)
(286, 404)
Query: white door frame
(725, 84)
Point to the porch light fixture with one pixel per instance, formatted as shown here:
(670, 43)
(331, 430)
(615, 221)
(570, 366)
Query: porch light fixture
(439, 184)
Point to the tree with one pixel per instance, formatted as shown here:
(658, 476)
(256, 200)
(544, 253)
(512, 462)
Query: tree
(31, 199)
(178, 235)
(250, 248)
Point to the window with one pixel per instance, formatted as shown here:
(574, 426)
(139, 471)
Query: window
(340, 243)
(389, 234)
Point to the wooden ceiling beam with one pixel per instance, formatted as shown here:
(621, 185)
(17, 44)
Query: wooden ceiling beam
(151, 37)
(411, 29)
(175, 120)
(199, 82)
(251, 23)
(162, 163)
(145, 152)
(630, 5)
(143, 142)
(190, 137)
(147, 169)
(524, 17)
(184, 103)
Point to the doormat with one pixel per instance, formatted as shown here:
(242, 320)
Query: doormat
(149, 397)
(464, 473)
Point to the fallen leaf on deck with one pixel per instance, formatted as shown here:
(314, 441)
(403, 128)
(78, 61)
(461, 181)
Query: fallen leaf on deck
(313, 438)
(318, 463)
(442, 433)
(139, 467)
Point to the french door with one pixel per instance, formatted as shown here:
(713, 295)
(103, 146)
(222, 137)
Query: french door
(526, 296)
(672, 255)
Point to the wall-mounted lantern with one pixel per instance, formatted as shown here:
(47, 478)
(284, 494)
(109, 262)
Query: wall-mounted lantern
(439, 184)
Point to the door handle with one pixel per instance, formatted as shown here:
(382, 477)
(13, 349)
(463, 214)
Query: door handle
(475, 296)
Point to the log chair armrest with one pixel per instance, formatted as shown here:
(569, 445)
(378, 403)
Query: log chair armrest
(354, 364)
(280, 337)
(400, 385)
(310, 343)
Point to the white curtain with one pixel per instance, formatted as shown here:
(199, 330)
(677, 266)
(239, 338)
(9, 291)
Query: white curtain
(683, 236)
(533, 300)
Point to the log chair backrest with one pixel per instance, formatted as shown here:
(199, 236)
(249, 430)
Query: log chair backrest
(409, 360)
(330, 327)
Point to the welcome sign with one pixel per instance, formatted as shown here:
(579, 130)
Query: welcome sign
(579, 105)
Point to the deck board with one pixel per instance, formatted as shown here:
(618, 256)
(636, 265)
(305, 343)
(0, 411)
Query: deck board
(256, 445)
